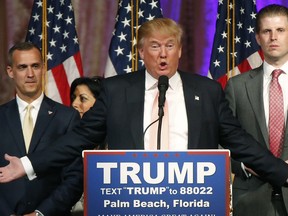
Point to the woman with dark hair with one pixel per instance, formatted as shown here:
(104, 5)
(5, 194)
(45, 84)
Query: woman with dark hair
(84, 93)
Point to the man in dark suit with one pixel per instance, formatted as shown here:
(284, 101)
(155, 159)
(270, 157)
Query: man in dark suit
(199, 114)
(60, 189)
(248, 95)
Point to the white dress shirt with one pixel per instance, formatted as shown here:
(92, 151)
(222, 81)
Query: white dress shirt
(34, 112)
(178, 124)
(283, 80)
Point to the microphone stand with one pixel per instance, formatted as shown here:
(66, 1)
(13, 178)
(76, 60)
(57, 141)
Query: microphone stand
(160, 114)
(163, 83)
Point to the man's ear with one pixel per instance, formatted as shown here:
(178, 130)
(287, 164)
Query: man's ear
(180, 52)
(257, 37)
(141, 53)
(9, 71)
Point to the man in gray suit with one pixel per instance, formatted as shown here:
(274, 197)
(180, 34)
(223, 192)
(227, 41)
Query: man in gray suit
(249, 95)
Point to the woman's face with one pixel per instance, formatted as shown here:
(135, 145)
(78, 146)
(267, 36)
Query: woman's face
(83, 99)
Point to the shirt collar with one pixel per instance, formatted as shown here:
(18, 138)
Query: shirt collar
(151, 82)
(268, 69)
(23, 104)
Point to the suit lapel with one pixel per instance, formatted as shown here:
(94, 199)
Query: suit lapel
(45, 115)
(135, 105)
(194, 112)
(254, 88)
(285, 147)
(14, 123)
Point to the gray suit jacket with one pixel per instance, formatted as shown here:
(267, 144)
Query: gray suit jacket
(245, 95)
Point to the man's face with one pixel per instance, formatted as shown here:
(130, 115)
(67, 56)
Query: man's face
(26, 72)
(273, 39)
(161, 54)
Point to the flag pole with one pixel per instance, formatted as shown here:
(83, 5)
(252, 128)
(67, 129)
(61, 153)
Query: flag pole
(132, 35)
(44, 43)
(233, 41)
(228, 41)
(136, 31)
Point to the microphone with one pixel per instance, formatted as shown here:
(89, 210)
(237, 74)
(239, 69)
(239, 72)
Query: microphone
(163, 83)
(162, 87)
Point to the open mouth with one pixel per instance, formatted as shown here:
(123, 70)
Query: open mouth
(163, 65)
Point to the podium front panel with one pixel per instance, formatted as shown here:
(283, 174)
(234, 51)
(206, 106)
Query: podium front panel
(157, 183)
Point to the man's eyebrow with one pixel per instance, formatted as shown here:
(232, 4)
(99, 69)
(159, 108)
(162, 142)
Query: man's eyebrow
(22, 65)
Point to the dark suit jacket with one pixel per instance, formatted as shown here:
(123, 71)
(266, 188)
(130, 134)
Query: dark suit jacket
(61, 188)
(118, 113)
(245, 95)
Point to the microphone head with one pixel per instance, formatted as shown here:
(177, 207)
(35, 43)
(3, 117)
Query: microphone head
(162, 86)
(163, 83)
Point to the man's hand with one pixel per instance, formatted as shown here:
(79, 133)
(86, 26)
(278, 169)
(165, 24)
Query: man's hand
(31, 214)
(13, 170)
(251, 171)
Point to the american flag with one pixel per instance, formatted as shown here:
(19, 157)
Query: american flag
(63, 56)
(123, 55)
(235, 49)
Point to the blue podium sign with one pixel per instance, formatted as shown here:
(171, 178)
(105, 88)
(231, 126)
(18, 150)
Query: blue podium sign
(157, 183)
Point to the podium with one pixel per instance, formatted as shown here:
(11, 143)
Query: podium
(157, 183)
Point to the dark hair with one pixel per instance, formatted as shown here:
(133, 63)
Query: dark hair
(93, 83)
(21, 46)
(270, 10)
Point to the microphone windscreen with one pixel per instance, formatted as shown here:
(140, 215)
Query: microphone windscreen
(163, 82)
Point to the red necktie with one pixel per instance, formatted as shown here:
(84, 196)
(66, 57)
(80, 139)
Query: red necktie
(276, 115)
(154, 127)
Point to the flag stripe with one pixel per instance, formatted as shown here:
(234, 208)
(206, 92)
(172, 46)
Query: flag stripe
(62, 84)
(110, 70)
(78, 61)
(244, 66)
(256, 59)
(51, 87)
(71, 69)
